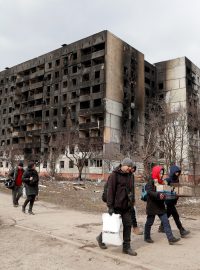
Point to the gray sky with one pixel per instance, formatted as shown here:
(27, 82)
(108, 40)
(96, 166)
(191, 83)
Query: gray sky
(161, 29)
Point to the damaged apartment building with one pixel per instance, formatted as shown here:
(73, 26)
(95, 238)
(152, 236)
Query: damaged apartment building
(99, 84)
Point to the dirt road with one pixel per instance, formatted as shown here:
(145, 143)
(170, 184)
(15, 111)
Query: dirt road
(59, 239)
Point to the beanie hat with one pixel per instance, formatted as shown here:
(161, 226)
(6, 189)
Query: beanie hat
(21, 164)
(31, 164)
(127, 162)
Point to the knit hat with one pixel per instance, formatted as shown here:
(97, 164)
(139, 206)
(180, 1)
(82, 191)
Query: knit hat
(21, 164)
(127, 162)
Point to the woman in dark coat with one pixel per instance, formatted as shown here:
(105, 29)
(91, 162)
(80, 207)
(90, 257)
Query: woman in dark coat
(155, 206)
(30, 179)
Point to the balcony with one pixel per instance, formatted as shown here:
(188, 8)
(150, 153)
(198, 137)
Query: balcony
(91, 125)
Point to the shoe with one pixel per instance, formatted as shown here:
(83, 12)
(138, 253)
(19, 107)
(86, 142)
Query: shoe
(100, 243)
(161, 229)
(23, 209)
(30, 212)
(184, 232)
(129, 251)
(173, 240)
(136, 230)
(149, 240)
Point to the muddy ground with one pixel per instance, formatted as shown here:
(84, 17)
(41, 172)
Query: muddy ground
(86, 196)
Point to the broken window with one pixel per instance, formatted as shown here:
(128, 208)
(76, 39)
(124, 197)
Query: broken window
(73, 95)
(64, 97)
(97, 102)
(160, 86)
(64, 110)
(86, 51)
(99, 47)
(74, 69)
(56, 100)
(55, 124)
(74, 82)
(65, 83)
(84, 91)
(62, 164)
(86, 64)
(64, 123)
(55, 112)
(85, 104)
(71, 164)
(56, 86)
(65, 71)
(74, 56)
(57, 62)
(50, 65)
(49, 77)
(147, 81)
(65, 61)
(57, 74)
(97, 74)
(86, 77)
(98, 60)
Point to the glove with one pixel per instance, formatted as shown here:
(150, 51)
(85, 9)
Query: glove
(110, 211)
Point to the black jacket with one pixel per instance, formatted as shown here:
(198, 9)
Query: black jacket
(154, 206)
(31, 186)
(120, 194)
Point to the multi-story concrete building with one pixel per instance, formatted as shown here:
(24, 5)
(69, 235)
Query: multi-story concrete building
(100, 85)
(178, 81)
(97, 83)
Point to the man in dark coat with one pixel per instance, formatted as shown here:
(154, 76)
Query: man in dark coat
(174, 174)
(156, 206)
(16, 174)
(30, 179)
(120, 199)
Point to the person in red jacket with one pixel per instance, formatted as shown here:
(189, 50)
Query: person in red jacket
(16, 174)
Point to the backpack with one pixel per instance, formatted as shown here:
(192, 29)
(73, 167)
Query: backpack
(105, 191)
(9, 183)
(143, 196)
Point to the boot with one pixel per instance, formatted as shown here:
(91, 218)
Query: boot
(161, 229)
(184, 232)
(149, 240)
(30, 212)
(173, 240)
(23, 209)
(129, 251)
(136, 230)
(100, 243)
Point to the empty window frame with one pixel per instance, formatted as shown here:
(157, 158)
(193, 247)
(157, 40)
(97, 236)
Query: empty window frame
(62, 164)
(85, 104)
(85, 91)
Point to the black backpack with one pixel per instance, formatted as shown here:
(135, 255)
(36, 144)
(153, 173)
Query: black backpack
(105, 191)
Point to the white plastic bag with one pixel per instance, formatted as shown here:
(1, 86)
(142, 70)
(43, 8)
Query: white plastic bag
(111, 229)
(24, 192)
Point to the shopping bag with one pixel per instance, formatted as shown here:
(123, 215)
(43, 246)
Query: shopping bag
(111, 229)
(24, 192)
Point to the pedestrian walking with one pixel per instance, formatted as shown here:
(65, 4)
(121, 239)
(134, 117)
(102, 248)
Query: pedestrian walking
(16, 174)
(30, 179)
(174, 175)
(120, 198)
(156, 206)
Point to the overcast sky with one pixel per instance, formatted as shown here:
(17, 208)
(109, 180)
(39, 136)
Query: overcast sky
(161, 29)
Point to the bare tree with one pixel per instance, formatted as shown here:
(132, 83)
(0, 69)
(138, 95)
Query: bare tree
(80, 150)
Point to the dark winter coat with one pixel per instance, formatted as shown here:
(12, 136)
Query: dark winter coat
(172, 177)
(120, 194)
(154, 206)
(14, 173)
(31, 186)
(171, 180)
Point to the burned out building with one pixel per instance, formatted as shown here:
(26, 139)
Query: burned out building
(95, 84)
